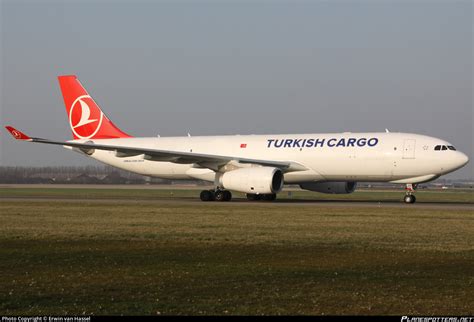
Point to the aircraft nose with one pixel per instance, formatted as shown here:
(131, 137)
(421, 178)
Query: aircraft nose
(462, 159)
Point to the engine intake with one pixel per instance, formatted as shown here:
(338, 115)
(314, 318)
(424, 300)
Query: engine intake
(259, 180)
(330, 187)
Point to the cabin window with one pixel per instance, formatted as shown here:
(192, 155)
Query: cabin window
(451, 148)
(438, 147)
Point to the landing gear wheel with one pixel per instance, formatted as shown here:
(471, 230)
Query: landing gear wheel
(207, 195)
(409, 199)
(220, 195)
(253, 197)
(269, 197)
(227, 195)
(223, 195)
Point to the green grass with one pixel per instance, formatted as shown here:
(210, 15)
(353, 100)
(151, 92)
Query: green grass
(161, 257)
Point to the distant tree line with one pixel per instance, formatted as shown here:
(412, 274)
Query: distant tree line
(74, 175)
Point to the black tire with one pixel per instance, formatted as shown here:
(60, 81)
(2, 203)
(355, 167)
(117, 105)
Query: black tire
(269, 197)
(220, 195)
(409, 199)
(253, 196)
(206, 195)
(227, 195)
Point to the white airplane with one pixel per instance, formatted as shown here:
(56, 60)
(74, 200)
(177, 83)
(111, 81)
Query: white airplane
(257, 165)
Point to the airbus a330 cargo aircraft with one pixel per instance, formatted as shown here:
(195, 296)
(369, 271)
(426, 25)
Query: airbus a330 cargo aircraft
(257, 165)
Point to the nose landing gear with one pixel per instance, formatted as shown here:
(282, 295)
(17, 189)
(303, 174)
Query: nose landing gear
(409, 196)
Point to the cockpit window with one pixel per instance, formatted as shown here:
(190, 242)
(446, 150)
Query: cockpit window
(444, 148)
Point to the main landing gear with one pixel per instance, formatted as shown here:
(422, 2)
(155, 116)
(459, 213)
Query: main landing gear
(409, 196)
(216, 195)
(226, 195)
(267, 197)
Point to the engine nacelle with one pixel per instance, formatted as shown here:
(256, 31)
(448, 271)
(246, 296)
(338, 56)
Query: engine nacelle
(260, 180)
(330, 187)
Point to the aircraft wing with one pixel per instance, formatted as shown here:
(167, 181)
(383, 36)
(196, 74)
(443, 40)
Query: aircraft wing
(211, 161)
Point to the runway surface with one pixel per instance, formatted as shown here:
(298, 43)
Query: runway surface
(243, 202)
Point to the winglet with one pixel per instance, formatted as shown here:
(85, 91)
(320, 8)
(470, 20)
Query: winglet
(18, 134)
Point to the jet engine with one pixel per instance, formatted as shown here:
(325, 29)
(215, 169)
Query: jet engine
(256, 180)
(330, 187)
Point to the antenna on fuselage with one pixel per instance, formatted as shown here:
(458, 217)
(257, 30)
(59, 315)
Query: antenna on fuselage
(189, 135)
(387, 131)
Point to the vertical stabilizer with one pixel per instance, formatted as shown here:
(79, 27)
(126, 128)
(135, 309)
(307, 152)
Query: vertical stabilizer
(86, 119)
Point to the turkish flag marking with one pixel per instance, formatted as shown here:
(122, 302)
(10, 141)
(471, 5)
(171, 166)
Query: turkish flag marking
(243, 145)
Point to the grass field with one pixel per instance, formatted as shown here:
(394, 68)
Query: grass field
(147, 254)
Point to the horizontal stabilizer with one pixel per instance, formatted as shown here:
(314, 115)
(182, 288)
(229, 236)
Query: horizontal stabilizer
(18, 134)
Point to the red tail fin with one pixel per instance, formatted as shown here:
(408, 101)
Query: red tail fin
(86, 119)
